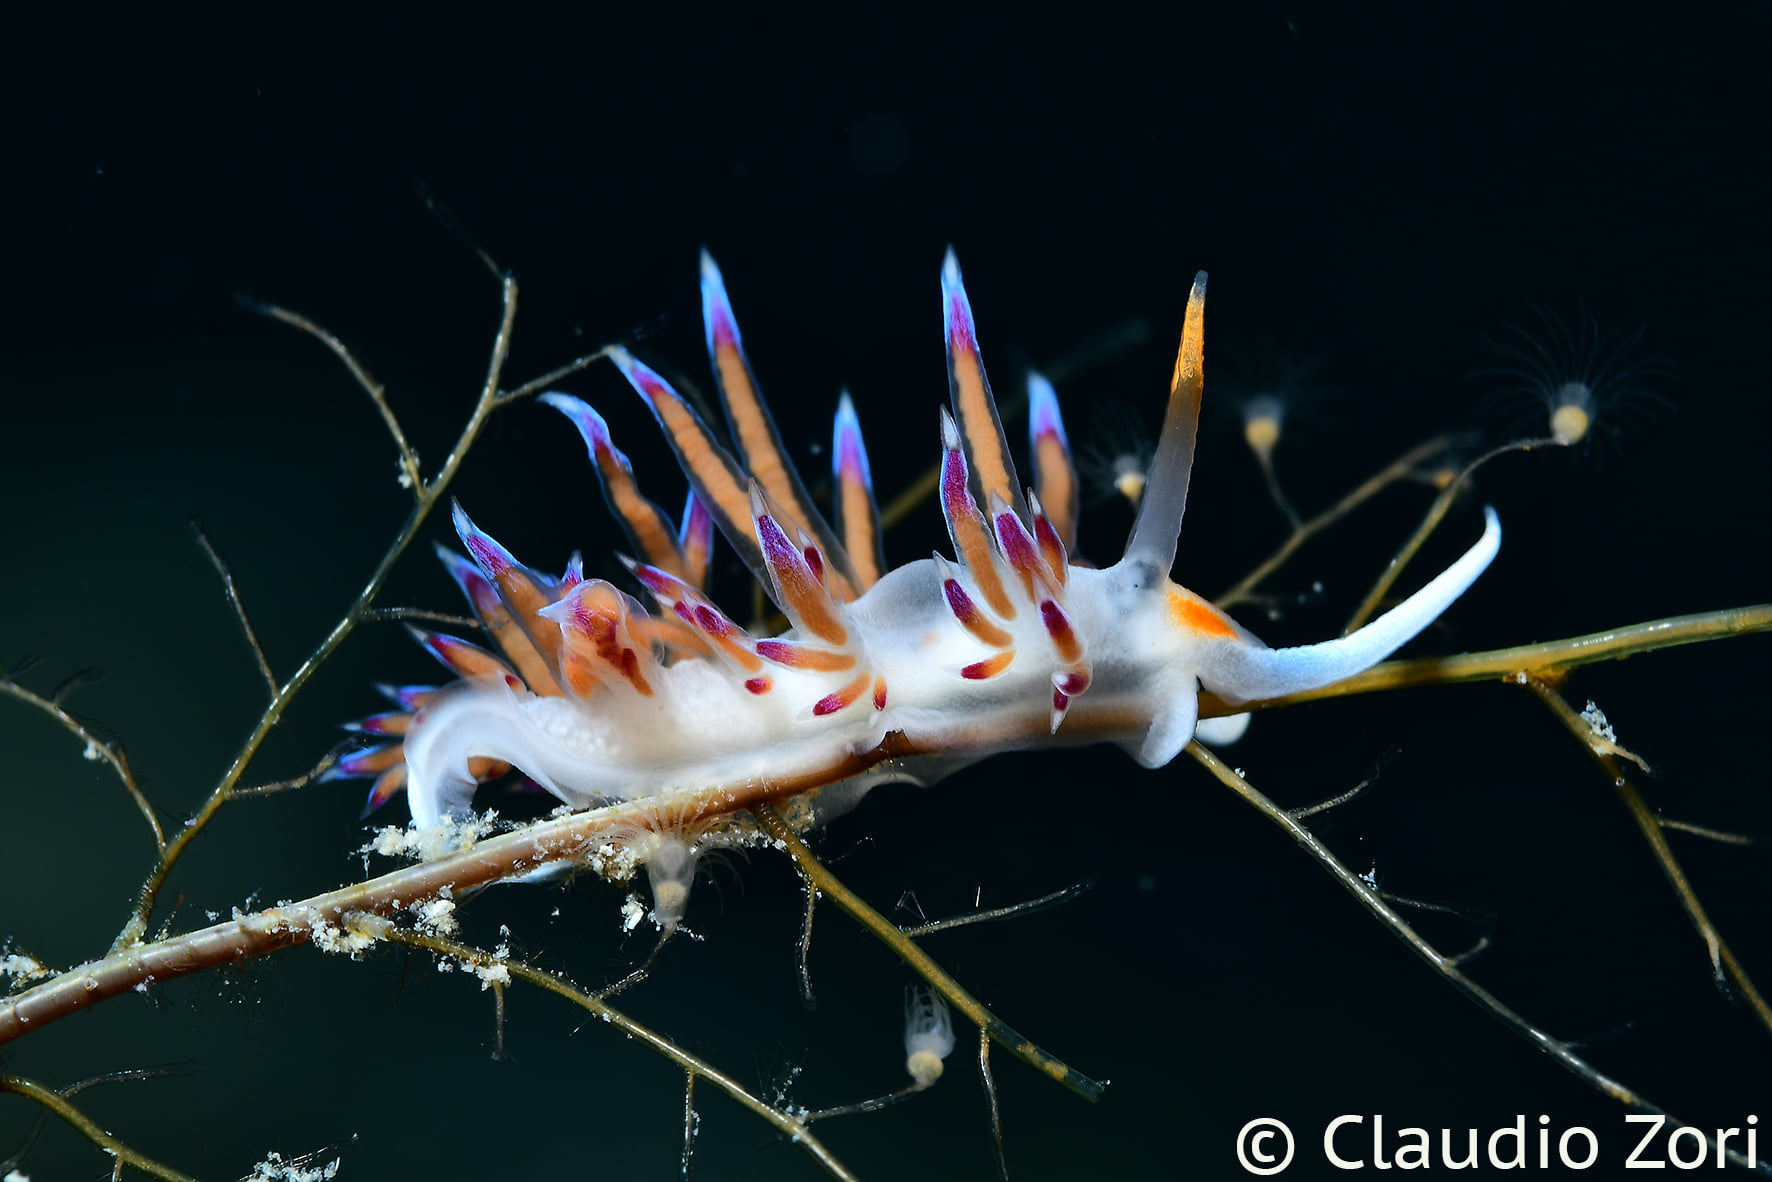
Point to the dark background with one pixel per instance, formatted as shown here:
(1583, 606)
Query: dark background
(1376, 198)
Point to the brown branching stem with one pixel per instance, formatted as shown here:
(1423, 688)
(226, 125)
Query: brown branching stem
(1396, 470)
(59, 1104)
(378, 394)
(132, 963)
(989, 1083)
(428, 494)
(992, 914)
(96, 748)
(246, 935)
(1549, 660)
(447, 619)
(1436, 513)
(921, 962)
(1723, 962)
(232, 590)
(1446, 966)
(289, 785)
(788, 1125)
(535, 386)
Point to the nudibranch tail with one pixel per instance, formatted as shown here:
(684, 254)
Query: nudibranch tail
(1247, 671)
(1156, 530)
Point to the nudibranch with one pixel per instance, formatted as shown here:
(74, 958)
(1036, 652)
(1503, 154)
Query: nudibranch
(1008, 644)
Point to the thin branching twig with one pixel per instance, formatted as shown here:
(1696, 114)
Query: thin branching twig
(428, 495)
(448, 619)
(1705, 831)
(1398, 469)
(409, 469)
(96, 748)
(921, 962)
(232, 590)
(537, 385)
(1550, 660)
(59, 1104)
(1436, 513)
(803, 949)
(788, 1125)
(290, 785)
(1728, 971)
(1562, 1052)
(989, 1083)
(990, 914)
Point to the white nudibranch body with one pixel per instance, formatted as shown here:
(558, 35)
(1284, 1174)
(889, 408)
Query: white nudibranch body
(1007, 645)
(928, 1034)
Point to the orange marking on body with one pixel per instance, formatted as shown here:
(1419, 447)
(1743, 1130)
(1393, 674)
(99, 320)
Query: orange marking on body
(629, 664)
(578, 673)
(987, 633)
(1189, 613)
(1065, 641)
(750, 425)
(989, 667)
(831, 703)
(746, 659)
(469, 660)
(855, 508)
(1190, 358)
(800, 656)
(980, 558)
(525, 597)
(656, 539)
(978, 421)
(971, 618)
(386, 784)
(1052, 549)
(1055, 482)
(698, 549)
(522, 653)
(672, 634)
(484, 768)
(814, 608)
(700, 457)
(598, 630)
(801, 595)
(378, 760)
